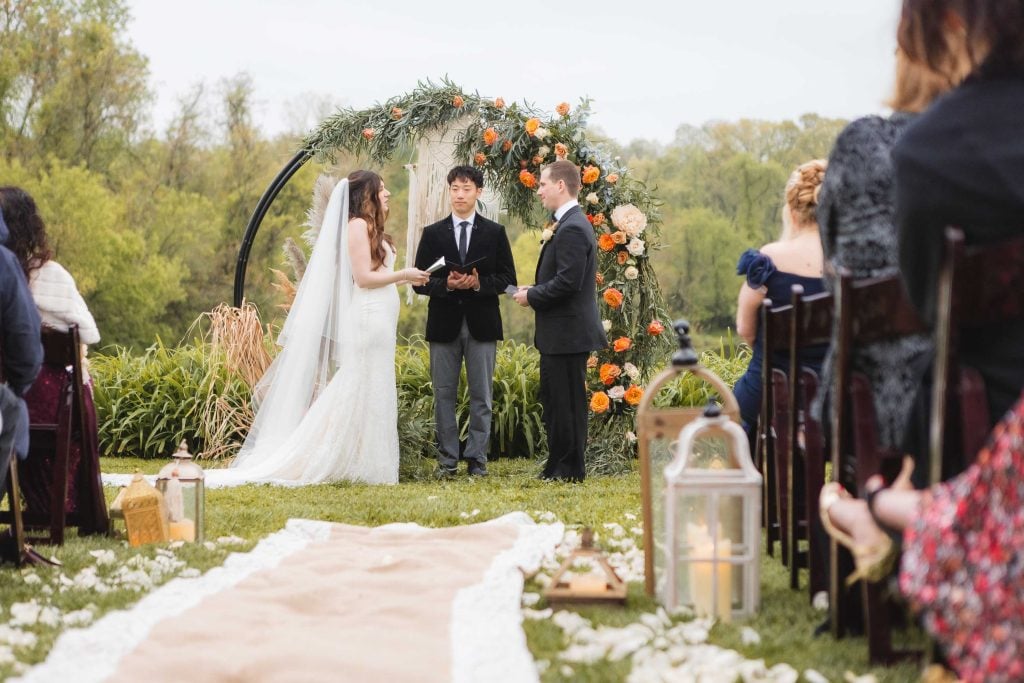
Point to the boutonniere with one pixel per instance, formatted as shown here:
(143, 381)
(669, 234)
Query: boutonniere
(548, 232)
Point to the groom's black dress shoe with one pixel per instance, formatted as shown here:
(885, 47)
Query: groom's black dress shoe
(476, 468)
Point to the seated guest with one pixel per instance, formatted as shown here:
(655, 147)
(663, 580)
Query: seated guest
(770, 272)
(961, 542)
(961, 163)
(855, 218)
(60, 305)
(20, 355)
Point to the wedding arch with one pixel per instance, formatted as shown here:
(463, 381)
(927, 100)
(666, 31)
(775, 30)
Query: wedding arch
(510, 143)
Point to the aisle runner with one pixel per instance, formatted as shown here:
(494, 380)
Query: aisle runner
(320, 601)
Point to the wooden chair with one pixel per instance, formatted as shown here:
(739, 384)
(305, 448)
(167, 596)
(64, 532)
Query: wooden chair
(811, 325)
(868, 310)
(978, 286)
(775, 331)
(52, 441)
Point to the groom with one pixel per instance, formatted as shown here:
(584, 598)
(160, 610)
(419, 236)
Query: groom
(568, 326)
(463, 320)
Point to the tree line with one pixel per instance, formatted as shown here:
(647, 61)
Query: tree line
(149, 221)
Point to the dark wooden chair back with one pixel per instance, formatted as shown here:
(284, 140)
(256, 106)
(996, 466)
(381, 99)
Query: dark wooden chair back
(867, 310)
(978, 286)
(51, 442)
(811, 326)
(775, 331)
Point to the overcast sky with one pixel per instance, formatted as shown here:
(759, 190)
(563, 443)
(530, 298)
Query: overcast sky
(648, 66)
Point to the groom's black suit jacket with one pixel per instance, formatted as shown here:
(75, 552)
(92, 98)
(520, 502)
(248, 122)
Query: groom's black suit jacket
(564, 296)
(447, 309)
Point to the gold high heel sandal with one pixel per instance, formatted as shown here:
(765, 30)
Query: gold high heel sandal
(873, 562)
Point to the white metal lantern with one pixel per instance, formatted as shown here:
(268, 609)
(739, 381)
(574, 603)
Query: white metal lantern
(182, 483)
(713, 521)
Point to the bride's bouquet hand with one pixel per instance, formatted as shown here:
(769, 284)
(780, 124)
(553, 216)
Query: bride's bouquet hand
(415, 276)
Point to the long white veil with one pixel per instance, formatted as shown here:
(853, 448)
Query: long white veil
(312, 340)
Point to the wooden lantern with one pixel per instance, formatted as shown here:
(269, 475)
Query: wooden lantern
(145, 515)
(657, 431)
(604, 587)
(182, 484)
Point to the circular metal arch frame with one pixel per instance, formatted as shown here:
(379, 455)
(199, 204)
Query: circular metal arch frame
(275, 187)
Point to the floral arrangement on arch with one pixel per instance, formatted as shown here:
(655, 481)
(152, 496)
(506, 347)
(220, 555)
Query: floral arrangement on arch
(511, 143)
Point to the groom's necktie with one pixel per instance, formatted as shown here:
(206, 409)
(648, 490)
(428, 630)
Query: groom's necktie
(463, 238)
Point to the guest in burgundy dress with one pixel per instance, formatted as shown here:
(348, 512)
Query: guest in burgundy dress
(59, 304)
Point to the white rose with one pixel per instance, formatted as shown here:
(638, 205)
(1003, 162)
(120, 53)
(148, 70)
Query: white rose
(607, 325)
(635, 247)
(541, 133)
(544, 151)
(592, 198)
(617, 392)
(632, 273)
(632, 371)
(546, 235)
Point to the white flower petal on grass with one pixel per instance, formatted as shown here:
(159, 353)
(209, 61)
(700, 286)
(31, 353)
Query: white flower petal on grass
(431, 497)
(548, 517)
(542, 666)
(749, 636)
(584, 653)
(570, 622)
(176, 544)
(637, 530)
(851, 677)
(566, 671)
(82, 617)
(531, 599)
(630, 516)
(190, 573)
(46, 590)
(210, 546)
(230, 540)
(32, 579)
(104, 557)
(820, 601)
(16, 638)
(50, 616)
(537, 614)
(25, 613)
(812, 676)
(7, 657)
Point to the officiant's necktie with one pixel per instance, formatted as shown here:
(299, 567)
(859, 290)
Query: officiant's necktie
(463, 238)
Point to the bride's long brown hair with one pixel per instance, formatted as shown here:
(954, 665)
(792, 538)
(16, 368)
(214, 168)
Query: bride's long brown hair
(364, 202)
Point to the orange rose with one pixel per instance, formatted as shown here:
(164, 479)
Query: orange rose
(561, 151)
(605, 242)
(538, 160)
(619, 237)
(480, 158)
(527, 179)
(599, 278)
(591, 174)
(506, 146)
(612, 178)
(499, 103)
(609, 372)
(563, 109)
(622, 344)
(368, 133)
(613, 297)
(591, 362)
(598, 220)
(396, 113)
(655, 328)
(621, 257)
(633, 395)
(490, 136)
(532, 125)
(599, 402)
(457, 101)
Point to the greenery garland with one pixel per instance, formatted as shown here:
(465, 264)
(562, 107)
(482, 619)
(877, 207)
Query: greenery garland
(510, 143)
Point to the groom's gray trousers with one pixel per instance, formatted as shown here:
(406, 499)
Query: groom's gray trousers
(446, 360)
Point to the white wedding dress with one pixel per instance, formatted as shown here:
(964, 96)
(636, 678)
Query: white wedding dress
(350, 430)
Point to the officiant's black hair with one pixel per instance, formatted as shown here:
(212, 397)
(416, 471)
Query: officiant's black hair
(473, 175)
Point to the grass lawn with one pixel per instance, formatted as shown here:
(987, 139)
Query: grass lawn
(785, 623)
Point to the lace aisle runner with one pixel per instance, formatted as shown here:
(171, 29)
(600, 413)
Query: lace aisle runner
(321, 601)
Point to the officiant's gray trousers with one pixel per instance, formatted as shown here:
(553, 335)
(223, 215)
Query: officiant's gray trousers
(445, 367)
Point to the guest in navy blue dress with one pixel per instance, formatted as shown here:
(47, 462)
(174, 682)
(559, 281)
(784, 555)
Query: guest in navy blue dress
(796, 259)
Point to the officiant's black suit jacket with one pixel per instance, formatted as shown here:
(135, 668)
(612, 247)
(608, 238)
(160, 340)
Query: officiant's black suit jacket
(447, 309)
(564, 296)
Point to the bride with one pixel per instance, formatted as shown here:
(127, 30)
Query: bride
(311, 426)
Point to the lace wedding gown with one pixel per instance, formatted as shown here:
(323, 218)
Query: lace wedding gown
(350, 432)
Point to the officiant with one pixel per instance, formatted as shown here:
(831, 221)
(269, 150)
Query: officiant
(463, 318)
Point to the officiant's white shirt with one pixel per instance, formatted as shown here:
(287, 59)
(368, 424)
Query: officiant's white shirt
(565, 207)
(458, 229)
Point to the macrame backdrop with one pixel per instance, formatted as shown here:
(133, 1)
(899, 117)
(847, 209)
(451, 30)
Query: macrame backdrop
(428, 187)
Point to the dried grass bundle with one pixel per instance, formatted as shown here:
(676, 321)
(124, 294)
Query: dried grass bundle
(239, 335)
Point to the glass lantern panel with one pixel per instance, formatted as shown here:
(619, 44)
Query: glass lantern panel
(661, 453)
(730, 523)
(711, 451)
